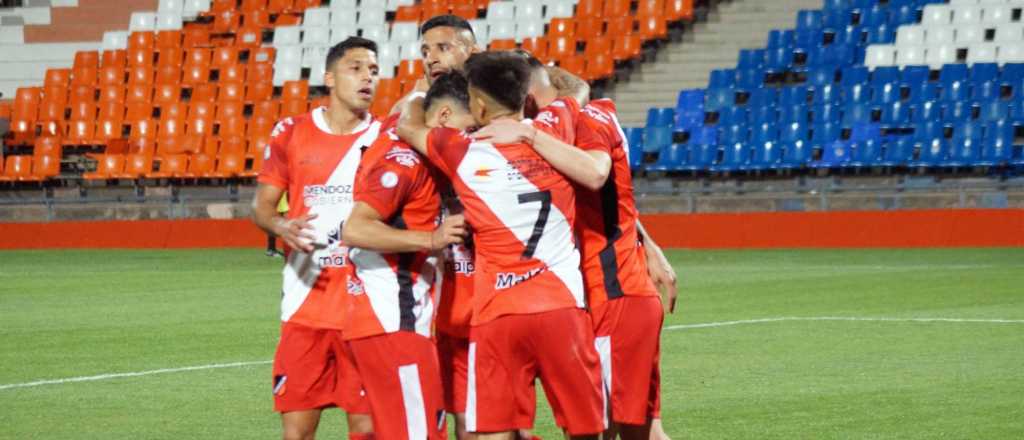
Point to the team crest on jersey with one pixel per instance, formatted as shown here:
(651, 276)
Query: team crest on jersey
(548, 118)
(281, 127)
(403, 156)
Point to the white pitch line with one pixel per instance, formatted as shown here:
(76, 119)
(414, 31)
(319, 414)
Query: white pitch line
(838, 318)
(131, 374)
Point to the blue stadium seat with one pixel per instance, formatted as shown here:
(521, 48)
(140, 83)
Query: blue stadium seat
(902, 15)
(661, 117)
(921, 92)
(778, 59)
(826, 95)
(866, 153)
(732, 134)
(765, 155)
(857, 93)
(690, 101)
(792, 114)
(718, 98)
(994, 111)
(866, 132)
(749, 79)
(928, 130)
(848, 35)
(964, 152)
(805, 39)
(1017, 111)
(879, 32)
(953, 72)
(954, 91)
(722, 78)
(968, 131)
(656, 138)
(778, 38)
(704, 135)
(882, 75)
(825, 113)
(789, 96)
(688, 122)
(671, 158)
(1000, 130)
(872, 17)
(732, 115)
(983, 72)
(702, 156)
(763, 97)
(925, 111)
(825, 133)
(854, 75)
(735, 157)
(793, 132)
(955, 112)
(636, 152)
(833, 55)
(808, 19)
(820, 76)
(996, 150)
(795, 155)
(765, 132)
(750, 59)
(895, 114)
(898, 152)
(856, 113)
(915, 74)
(635, 138)
(985, 91)
(762, 114)
(886, 93)
(834, 155)
(1011, 73)
(933, 153)
(833, 5)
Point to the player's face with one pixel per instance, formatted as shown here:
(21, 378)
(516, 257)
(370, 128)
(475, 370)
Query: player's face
(450, 115)
(444, 49)
(353, 78)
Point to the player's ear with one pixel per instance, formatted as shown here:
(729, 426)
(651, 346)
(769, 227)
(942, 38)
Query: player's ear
(329, 79)
(444, 116)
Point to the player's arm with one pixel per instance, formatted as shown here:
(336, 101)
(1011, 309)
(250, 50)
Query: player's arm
(412, 126)
(296, 232)
(587, 168)
(419, 91)
(365, 228)
(660, 270)
(569, 84)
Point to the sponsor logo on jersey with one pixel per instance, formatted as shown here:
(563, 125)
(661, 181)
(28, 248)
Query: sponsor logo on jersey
(597, 114)
(355, 286)
(528, 168)
(510, 279)
(403, 156)
(321, 195)
(464, 267)
(483, 172)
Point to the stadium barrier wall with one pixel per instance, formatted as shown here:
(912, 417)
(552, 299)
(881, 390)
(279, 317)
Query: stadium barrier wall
(848, 229)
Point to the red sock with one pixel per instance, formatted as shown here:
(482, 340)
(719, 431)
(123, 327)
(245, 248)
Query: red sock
(360, 436)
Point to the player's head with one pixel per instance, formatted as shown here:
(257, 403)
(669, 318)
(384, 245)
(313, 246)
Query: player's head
(446, 42)
(542, 93)
(352, 73)
(447, 102)
(498, 85)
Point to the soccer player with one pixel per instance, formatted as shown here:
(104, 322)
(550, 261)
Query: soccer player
(528, 318)
(314, 158)
(624, 301)
(446, 42)
(395, 245)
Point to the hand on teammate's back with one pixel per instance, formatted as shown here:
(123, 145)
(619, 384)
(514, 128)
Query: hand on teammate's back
(505, 131)
(451, 231)
(297, 233)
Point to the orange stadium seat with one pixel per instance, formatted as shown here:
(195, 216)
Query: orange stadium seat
(141, 75)
(561, 47)
(171, 57)
(256, 20)
(253, 5)
(137, 166)
(233, 73)
(268, 109)
(195, 36)
(26, 101)
(588, 27)
(562, 27)
(234, 144)
(5, 111)
(589, 8)
(112, 93)
(143, 129)
(167, 40)
(195, 74)
(259, 126)
(108, 166)
(139, 93)
(231, 92)
(302, 5)
(410, 69)
(82, 93)
(142, 40)
(228, 110)
(50, 110)
(259, 72)
(108, 129)
(114, 58)
(248, 37)
(598, 45)
(224, 56)
(408, 13)
(49, 145)
(23, 130)
(620, 26)
(174, 110)
(140, 57)
(229, 165)
(200, 125)
(111, 75)
(84, 76)
(627, 48)
(468, 12)
(57, 77)
(222, 5)
(231, 127)
(648, 7)
(293, 108)
(295, 90)
(538, 47)
(575, 64)
(205, 92)
(676, 10)
(599, 66)
(166, 93)
(18, 168)
(87, 58)
(226, 21)
(198, 56)
(80, 132)
(111, 109)
(259, 91)
(171, 165)
(615, 8)
(262, 55)
(201, 109)
(502, 44)
(171, 127)
(168, 74)
(45, 166)
(652, 27)
(432, 10)
(279, 6)
(200, 166)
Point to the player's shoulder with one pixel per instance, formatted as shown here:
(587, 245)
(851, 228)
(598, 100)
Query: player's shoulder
(601, 109)
(286, 126)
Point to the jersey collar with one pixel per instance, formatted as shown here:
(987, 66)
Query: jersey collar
(320, 120)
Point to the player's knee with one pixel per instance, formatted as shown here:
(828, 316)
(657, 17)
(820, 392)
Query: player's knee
(299, 433)
(361, 424)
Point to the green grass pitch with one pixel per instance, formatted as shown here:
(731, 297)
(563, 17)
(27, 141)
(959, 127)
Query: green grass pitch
(67, 314)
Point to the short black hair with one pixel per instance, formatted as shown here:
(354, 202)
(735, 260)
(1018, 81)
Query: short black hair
(452, 85)
(530, 59)
(447, 20)
(339, 50)
(504, 76)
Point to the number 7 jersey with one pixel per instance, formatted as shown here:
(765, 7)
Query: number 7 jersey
(521, 210)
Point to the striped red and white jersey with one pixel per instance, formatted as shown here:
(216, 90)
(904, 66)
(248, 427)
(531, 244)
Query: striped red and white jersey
(521, 211)
(318, 169)
(455, 307)
(395, 291)
(613, 263)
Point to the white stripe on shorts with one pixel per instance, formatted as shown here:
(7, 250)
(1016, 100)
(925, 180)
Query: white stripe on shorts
(471, 389)
(603, 344)
(412, 399)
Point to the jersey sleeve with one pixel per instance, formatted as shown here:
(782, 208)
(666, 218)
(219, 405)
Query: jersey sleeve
(446, 148)
(591, 133)
(559, 119)
(390, 122)
(275, 157)
(388, 183)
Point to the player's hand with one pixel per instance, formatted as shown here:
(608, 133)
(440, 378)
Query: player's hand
(297, 233)
(663, 275)
(452, 231)
(506, 131)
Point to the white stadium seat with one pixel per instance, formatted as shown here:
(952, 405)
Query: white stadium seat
(287, 35)
(936, 15)
(316, 17)
(410, 51)
(346, 19)
(314, 55)
(498, 11)
(114, 40)
(192, 8)
(142, 21)
(558, 9)
(339, 34)
(997, 14)
(939, 35)
(371, 17)
(879, 55)
(316, 73)
(1011, 53)
(168, 21)
(404, 32)
(287, 55)
(966, 14)
(318, 36)
(480, 30)
(172, 6)
(376, 33)
(287, 72)
(1011, 32)
(910, 55)
(910, 35)
(982, 53)
(936, 56)
(529, 29)
(501, 30)
(388, 53)
(529, 10)
(970, 34)
(343, 6)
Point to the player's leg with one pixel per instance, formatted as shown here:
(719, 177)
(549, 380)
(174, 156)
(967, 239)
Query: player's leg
(351, 395)
(658, 431)
(570, 371)
(304, 379)
(453, 357)
(628, 344)
(403, 383)
(500, 397)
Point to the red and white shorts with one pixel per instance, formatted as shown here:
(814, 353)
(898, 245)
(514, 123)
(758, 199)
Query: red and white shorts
(507, 354)
(400, 373)
(628, 341)
(453, 353)
(312, 371)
